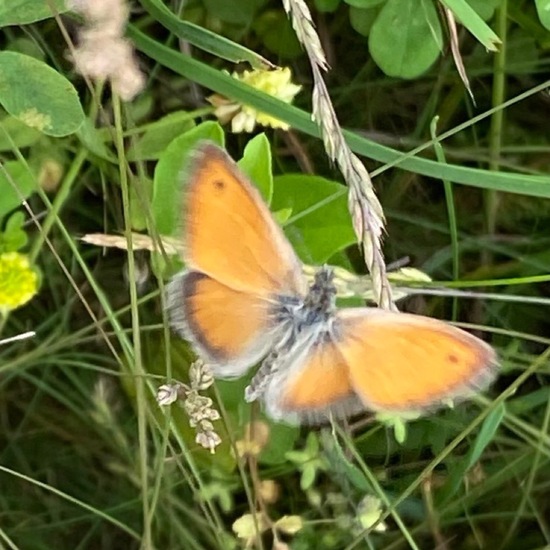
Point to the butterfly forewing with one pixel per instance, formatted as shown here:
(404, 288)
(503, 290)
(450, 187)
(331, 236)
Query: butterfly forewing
(229, 233)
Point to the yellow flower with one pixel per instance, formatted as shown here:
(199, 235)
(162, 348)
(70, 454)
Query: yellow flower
(18, 281)
(244, 118)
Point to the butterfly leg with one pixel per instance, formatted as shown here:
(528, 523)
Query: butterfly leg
(259, 382)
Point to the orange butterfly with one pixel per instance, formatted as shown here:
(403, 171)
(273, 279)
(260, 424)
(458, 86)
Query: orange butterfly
(244, 298)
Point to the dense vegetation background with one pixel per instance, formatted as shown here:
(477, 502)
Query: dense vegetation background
(88, 459)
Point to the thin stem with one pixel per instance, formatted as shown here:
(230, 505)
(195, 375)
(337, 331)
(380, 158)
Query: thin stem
(451, 212)
(141, 401)
(60, 199)
(492, 198)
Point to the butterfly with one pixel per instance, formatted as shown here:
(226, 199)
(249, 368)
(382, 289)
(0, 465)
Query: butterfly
(243, 298)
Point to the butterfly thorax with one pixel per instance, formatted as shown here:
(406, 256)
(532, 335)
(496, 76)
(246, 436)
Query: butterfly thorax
(321, 298)
(315, 307)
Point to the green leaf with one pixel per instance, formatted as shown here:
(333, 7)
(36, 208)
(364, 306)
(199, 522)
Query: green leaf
(21, 12)
(15, 134)
(327, 6)
(13, 238)
(235, 12)
(281, 440)
(167, 183)
(309, 473)
(523, 53)
(484, 8)
(364, 4)
(140, 198)
(94, 140)
(340, 464)
(466, 15)
(277, 34)
(38, 96)
(527, 403)
(27, 46)
(362, 19)
(203, 39)
(158, 136)
(256, 164)
(16, 184)
(543, 11)
(406, 39)
(485, 436)
(320, 223)
(487, 433)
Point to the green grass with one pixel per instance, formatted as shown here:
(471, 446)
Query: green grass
(87, 457)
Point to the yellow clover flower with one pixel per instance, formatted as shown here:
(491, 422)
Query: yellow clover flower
(244, 118)
(18, 281)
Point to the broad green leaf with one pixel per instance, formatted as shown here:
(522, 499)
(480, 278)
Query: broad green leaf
(362, 19)
(282, 436)
(13, 238)
(158, 136)
(167, 183)
(364, 4)
(466, 15)
(440, 431)
(27, 46)
(235, 12)
(277, 34)
(16, 184)
(140, 199)
(13, 133)
(231, 393)
(256, 164)
(281, 440)
(320, 223)
(94, 140)
(201, 38)
(38, 96)
(341, 465)
(327, 6)
(523, 53)
(222, 83)
(543, 10)
(484, 8)
(21, 12)
(405, 40)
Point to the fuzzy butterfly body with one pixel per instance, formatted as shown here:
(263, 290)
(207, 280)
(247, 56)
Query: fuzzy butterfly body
(243, 298)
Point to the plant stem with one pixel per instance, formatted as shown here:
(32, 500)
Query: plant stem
(492, 197)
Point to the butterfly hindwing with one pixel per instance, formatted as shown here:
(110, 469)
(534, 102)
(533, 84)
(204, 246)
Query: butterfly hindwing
(231, 330)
